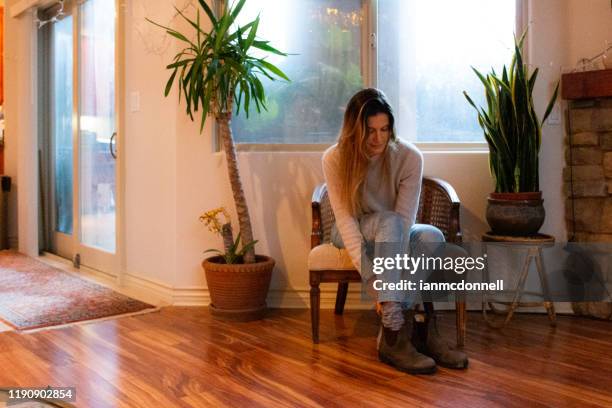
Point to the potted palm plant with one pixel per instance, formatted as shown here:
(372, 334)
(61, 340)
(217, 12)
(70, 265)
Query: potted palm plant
(514, 134)
(218, 73)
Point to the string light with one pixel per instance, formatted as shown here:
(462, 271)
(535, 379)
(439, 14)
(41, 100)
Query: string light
(589, 63)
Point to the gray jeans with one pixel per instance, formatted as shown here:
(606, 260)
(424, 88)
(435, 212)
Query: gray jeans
(386, 234)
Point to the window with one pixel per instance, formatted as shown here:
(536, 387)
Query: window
(422, 54)
(425, 50)
(326, 36)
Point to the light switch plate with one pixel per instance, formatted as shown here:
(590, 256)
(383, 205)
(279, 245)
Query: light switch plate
(135, 101)
(555, 116)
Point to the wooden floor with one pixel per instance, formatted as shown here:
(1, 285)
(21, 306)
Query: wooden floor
(181, 357)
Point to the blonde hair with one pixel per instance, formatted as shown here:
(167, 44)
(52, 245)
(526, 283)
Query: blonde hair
(354, 160)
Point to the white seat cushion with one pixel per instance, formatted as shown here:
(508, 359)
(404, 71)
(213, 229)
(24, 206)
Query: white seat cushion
(327, 256)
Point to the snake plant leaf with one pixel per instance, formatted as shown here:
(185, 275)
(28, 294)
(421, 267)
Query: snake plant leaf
(484, 81)
(503, 84)
(469, 100)
(532, 80)
(510, 124)
(551, 104)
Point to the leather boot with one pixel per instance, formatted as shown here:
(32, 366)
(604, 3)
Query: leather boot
(396, 349)
(427, 340)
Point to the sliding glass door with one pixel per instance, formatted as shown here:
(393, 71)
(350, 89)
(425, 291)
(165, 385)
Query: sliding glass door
(83, 100)
(61, 106)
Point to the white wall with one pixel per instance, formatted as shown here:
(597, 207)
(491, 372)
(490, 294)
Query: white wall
(547, 49)
(172, 173)
(589, 26)
(20, 149)
(151, 177)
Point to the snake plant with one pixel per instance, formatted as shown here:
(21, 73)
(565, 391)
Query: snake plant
(510, 124)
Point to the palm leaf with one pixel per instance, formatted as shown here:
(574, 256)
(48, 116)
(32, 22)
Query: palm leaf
(209, 12)
(273, 68)
(252, 33)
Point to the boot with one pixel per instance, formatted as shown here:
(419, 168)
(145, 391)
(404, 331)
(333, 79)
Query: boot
(396, 349)
(427, 340)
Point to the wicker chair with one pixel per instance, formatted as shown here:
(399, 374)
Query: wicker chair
(438, 206)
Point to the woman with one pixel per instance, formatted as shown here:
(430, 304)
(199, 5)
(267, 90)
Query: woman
(374, 181)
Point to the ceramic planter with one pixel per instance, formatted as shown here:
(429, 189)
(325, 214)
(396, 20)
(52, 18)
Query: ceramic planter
(516, 214)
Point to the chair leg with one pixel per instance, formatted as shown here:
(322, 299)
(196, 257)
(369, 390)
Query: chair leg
(428, 307)
(461, 319)
(341, 297)
(461, 322)
(315, 305)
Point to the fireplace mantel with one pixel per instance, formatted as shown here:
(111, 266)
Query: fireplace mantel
(587, 85)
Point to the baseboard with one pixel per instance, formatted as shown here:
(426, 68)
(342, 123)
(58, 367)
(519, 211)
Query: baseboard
(145, 290)
(160, 294)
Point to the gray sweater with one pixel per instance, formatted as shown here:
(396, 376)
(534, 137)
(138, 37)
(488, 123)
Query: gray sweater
(399, 193)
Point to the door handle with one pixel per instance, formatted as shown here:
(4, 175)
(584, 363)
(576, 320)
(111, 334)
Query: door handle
(113, 152)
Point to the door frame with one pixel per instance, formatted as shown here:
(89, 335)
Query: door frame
(115, 271)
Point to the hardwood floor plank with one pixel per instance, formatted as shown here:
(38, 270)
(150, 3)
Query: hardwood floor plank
(181, 357)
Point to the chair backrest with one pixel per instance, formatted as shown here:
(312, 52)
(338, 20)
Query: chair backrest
(438, 206)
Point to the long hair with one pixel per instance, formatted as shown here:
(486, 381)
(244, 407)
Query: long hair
(352, 143)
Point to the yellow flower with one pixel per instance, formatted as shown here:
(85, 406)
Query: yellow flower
(211, 219)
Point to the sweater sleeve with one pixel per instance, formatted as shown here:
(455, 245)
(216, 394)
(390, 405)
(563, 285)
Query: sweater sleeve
(407, 201)
(347, 224)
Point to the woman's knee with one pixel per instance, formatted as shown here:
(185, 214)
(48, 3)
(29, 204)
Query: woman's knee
(391, 227)
(426, 233)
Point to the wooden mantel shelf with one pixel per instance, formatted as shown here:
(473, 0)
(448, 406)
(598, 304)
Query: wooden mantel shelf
(587, 85)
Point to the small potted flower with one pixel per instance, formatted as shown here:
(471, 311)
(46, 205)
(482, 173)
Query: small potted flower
(237, 290)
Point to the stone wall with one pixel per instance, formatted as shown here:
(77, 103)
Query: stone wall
(590, 131)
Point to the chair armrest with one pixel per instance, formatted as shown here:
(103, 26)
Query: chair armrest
(316, 237)
(450, 190)
(454, 233)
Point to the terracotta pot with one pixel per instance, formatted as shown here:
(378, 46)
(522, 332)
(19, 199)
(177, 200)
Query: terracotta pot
(516, 214)
(238, 291)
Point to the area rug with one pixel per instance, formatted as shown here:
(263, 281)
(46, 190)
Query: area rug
(35, 295)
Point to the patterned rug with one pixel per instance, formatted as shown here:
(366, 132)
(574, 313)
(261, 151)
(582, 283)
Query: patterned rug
(35, 295)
